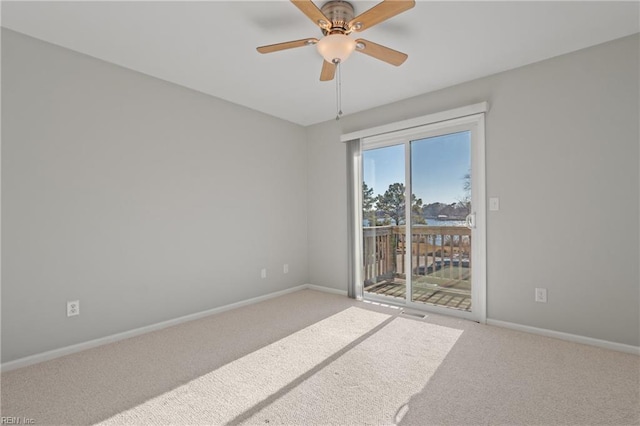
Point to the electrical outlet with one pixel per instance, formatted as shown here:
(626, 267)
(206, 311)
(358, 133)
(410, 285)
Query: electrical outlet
(541, 295)
(263, 273)
(73, 308)
(285, 268)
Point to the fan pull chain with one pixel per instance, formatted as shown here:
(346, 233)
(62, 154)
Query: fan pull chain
(338, 91)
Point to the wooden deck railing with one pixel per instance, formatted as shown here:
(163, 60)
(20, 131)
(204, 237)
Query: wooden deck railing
(432, 247)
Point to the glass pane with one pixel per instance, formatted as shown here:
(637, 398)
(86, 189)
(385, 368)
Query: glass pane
(383, 221)
(440, 241)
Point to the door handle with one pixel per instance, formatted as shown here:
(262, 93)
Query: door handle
(470, 221)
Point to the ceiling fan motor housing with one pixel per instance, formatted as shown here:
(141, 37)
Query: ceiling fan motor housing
(340, 13)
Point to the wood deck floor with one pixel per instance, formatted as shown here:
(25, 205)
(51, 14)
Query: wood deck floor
(434, 295)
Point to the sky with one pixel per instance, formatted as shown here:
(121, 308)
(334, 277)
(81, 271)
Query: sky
(438, 166)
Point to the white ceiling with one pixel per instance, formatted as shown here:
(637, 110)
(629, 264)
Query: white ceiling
(210, 46)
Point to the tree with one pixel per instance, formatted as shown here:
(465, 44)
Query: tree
(368, 212)
(465, 201)
(416, 211)
(392, 204)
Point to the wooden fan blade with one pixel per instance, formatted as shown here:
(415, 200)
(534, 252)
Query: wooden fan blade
(328, 71)
(379, 13)
(287, 45)
(383, 53)
(311, 10)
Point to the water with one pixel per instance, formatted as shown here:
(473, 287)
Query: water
(440, 222)
(430, 222)
(433, 222)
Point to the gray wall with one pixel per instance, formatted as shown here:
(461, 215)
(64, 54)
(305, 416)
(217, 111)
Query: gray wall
(562, 140)
(148, 201)
(144, 200)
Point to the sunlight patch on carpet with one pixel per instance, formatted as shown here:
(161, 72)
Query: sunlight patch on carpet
(370, 384)
(226, 393)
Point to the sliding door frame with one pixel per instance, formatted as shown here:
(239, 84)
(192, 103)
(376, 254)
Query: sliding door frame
(474, 123)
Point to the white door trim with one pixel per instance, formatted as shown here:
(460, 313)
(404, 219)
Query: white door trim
(464, 111)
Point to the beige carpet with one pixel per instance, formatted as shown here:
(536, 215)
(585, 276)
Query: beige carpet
(315, 358)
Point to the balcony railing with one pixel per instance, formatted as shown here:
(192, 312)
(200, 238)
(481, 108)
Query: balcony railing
(440, 262)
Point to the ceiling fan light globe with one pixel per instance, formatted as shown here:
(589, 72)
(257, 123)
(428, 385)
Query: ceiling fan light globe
(336, 48)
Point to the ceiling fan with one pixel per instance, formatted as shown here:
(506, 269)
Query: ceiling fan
(336, 20)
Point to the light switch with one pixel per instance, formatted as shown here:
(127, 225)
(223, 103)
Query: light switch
(494, 204)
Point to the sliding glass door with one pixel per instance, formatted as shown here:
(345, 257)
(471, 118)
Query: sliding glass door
(440, 232)
(423, 217)
(383, 220)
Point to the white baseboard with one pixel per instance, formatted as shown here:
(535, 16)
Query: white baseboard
(326, 289)
(56, 353)
(620, 347)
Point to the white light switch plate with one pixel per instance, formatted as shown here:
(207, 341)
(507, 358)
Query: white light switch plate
(494, 204)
